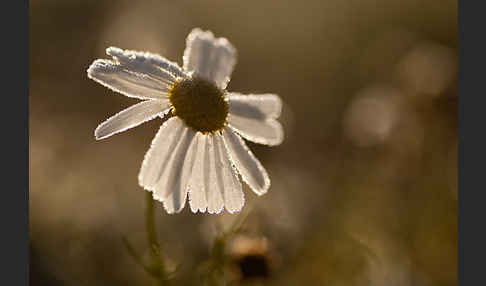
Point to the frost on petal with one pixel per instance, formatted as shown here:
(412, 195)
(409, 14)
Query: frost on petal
(268, 132)
(176, 200)
(131, 117)
(197, 193)
(254, 117)
(214, 191)
(209, 57)
(169, 179)
(250, 169)
(145, 62)
(256, 106)
(172, 185)
(129, 82)
(157, 157)
(228, 178)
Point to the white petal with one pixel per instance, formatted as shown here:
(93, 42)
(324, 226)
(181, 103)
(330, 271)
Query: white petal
(127, 82)
(145, 62)
(209, 57)
(228, 178)
(172, 186)
(197, 193)
(131, 117)
(268, 132)
(214, 190)
(250, 169)
(174, 202)
(157, 157)
(170, 178)
(254, 117)
(257, 106)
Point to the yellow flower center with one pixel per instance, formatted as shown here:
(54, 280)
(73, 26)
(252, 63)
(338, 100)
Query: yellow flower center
(199, 103)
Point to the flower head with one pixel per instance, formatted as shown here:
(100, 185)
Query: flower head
(251, 257)
(198, 152)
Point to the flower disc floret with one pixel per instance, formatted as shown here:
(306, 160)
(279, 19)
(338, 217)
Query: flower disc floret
(200, 104)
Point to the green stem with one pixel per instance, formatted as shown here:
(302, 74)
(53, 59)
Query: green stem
(157, 263)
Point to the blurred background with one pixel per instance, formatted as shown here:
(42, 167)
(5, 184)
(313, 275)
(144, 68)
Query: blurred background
(364, 187)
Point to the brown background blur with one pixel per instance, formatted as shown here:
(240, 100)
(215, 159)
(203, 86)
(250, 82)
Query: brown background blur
(364, 187)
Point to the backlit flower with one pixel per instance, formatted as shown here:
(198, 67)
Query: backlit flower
(198, 152)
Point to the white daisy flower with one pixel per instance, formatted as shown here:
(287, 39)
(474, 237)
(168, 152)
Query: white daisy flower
(199, 150)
